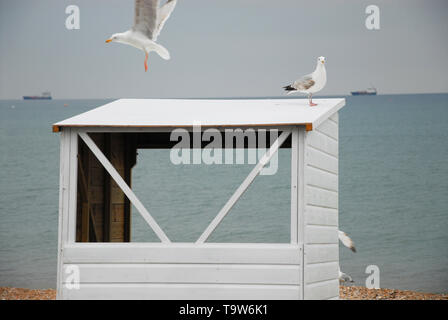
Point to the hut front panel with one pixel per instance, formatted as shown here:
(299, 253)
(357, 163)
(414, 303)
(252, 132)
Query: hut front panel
(321, 260)
(184, 271)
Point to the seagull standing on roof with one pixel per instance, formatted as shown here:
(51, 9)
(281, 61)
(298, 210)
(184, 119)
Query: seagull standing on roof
(148, 22)
(311, 83)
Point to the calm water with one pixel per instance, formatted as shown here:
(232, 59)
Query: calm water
(393, 192)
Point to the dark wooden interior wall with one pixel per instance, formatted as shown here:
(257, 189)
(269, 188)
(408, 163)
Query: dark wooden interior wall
(103, 211)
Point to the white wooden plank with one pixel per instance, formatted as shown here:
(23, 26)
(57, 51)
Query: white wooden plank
(128, 253)
(320, 160)
(321, 234)
(64, 172)
(73, 185)
(328, 113)
(319, 178)
(249, 112)
(319, 272)
(169, 129)
(243, 187)
(329, 128)
(183, 292)
(322, 290)
(322, 142)
(335, 117)
(124, 187)
(317, 253)
(301, 199)
(189, 273)
(320, 197)
(294, 184)
(321, 216)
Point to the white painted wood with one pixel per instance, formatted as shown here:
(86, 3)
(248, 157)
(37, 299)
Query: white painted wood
(301, 182)
(323, 143)
(301, 200)
(182, 253)
(321, 160)
(248, 112)
(321, 248)
(324, 179)
(321, 197)
(63, 201)
(321, 272)
(243, 187)
(330, 129)
(322, 290)
(189, 273)
(294, 184)
(124, 187)
(335, 117)
(169, 129)
(321, 216)
(185, 271)
(319, 253)
(184, 292)
(321, 234)
(73, 185)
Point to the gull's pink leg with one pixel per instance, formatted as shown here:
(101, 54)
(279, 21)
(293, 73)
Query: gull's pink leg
(146, 61)
(311, 101)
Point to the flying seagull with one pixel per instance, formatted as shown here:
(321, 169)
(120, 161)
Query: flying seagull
(148, 22)
(346, 241)
(311, 83)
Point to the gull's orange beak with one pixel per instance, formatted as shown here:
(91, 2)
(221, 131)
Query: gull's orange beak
(108, 40)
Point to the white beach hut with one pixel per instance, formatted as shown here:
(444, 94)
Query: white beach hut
(96, 259)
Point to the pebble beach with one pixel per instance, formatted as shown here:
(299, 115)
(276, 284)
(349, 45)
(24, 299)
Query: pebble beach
(346, 293)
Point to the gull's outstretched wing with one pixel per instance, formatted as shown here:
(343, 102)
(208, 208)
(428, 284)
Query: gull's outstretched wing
(163, 15)
(346, 241)
(145, 19)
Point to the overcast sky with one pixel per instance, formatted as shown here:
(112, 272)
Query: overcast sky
(223, 48)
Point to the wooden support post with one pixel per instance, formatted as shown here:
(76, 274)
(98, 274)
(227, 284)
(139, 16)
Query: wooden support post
(107, 206)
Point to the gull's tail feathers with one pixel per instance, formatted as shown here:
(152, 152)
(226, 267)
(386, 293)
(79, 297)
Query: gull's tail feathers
(161, 51)
(289, 89)
(346, 240)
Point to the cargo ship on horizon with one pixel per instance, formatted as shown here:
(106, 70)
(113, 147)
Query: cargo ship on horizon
(369, 92)
(44, 96)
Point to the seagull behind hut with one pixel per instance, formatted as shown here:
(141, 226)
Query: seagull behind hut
(311, 83)
(348, 242)
(148, 22)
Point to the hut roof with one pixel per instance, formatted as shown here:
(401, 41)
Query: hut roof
(209, 113)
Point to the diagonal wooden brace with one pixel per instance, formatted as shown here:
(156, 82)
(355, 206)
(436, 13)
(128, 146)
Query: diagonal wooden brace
(243, 187)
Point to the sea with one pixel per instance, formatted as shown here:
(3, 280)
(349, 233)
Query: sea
(393, 192)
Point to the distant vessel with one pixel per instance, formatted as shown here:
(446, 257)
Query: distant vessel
(369, 92)
(44, 96)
